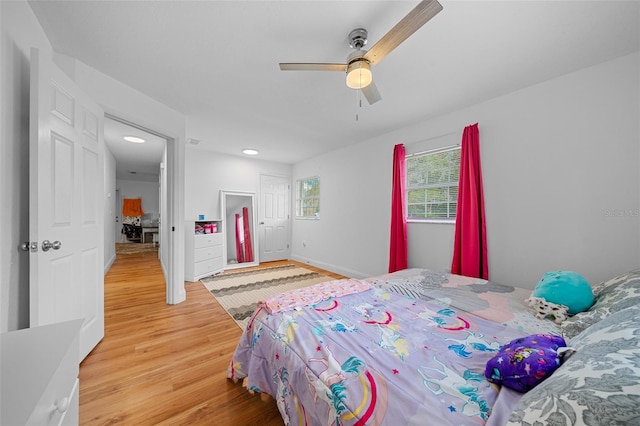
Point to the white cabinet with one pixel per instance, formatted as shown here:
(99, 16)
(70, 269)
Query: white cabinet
(39, 372)
(203, 252)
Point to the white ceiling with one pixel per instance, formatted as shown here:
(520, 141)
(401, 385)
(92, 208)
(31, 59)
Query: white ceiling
(134, 161)
(217, 61)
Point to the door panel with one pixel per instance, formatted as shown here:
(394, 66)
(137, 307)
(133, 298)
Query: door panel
(66, 174)
(274, 221)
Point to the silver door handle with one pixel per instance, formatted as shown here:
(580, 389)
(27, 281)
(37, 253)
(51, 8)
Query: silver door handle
(46, 245)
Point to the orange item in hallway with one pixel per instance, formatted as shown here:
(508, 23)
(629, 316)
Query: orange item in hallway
(132, 207)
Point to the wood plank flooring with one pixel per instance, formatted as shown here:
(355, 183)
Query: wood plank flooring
(162, 364)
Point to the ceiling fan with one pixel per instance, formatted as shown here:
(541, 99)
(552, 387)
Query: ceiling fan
(358, 64)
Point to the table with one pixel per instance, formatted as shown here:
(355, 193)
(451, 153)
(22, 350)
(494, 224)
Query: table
(148, 230)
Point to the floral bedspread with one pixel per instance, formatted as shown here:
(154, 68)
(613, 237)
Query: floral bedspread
(371, 358)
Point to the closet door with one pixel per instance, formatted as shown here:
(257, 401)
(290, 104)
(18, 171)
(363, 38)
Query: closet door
(274, 218)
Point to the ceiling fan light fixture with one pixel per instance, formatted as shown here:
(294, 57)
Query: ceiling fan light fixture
(359, 74)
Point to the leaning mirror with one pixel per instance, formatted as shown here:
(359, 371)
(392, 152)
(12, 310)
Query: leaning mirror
(238, 213)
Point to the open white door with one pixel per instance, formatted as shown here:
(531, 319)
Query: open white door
(274, 219)
(66, 228)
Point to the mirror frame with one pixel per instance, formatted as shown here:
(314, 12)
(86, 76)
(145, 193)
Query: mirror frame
(226, 223)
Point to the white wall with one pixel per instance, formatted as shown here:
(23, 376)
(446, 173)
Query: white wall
(208, 173)
(352, 235)
(20, 31)
(109, 209)
(164, 208)
(148, 191)
(561, 178)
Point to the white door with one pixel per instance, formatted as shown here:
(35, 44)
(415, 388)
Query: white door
(274, 219)
(66, 196)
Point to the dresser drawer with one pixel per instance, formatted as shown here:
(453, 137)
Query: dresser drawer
(208, 267)
(206, 240)
(207, 253)
(57, 402)
(40, 375)
(71, 416)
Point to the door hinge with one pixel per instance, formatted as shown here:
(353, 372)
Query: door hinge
(27, 246)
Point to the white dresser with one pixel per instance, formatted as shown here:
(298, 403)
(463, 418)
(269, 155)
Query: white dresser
(203, 252)
(39, 375)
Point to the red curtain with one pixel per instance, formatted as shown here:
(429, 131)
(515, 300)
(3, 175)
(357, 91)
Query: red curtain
(470, 241)
(239, 252)
(248, 250)
(398, 247)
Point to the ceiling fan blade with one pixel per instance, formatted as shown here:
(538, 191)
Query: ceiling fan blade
(420, 15)
(313, 67)
(371, 93)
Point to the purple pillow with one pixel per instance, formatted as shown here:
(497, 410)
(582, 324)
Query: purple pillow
(526, 361)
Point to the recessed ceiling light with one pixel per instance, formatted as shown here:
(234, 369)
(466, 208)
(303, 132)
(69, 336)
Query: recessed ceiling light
(250, 151)
(134, 139)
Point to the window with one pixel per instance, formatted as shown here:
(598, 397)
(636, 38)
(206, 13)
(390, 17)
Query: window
(432, 184)
(308, 198)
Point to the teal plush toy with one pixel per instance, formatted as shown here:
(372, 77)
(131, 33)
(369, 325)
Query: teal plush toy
(565, 288)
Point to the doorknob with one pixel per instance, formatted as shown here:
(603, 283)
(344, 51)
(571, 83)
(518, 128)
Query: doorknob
(261, 223)
(46, 245)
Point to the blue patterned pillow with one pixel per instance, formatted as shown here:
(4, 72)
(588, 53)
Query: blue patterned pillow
(598, 385)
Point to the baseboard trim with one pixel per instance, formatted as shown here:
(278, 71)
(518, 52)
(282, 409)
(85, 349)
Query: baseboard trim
(109, 264)
(331, 267)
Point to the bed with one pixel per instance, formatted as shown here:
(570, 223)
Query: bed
(411, 348)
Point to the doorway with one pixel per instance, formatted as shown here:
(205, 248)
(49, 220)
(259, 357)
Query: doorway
(138, 156)
(139, 170)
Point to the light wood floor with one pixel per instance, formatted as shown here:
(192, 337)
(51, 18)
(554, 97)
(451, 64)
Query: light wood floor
(162, 364)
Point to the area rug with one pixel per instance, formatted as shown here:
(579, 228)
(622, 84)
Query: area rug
(135, 248)
(239, 292)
